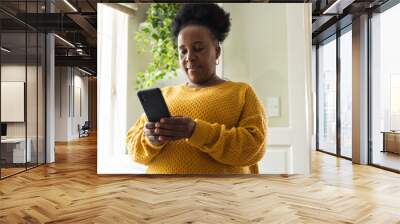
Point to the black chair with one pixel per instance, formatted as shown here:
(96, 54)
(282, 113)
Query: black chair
(84, 130)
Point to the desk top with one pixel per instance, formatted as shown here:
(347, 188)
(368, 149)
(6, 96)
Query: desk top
(391, 132)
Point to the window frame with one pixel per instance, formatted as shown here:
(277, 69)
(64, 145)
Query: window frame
(334, 37)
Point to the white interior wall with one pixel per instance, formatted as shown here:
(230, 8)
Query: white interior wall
(258, 54)
(15, 72)
(67, 114)
(61, 103)
(81, 104)
(266, 56)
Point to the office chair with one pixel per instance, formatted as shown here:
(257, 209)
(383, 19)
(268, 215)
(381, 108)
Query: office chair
(84, 130)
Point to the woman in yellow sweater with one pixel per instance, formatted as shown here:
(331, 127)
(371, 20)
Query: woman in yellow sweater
(217, 126)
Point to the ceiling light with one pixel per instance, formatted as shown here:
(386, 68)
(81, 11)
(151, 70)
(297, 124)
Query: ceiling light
(86, 72)
(80, 51)
(5, 50)
(64, 40)
(70, 5)
(338, 6)
(326, 11)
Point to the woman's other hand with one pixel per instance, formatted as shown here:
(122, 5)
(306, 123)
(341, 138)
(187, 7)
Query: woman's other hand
(169, 129)
(149, 132)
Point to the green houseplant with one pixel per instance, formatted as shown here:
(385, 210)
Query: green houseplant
(155, 36)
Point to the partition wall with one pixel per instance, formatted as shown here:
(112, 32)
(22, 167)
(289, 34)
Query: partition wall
(23, 91)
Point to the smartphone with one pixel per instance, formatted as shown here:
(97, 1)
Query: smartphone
(153, 104)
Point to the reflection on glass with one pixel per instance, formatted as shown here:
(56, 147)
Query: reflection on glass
(41, 99)
(346, 94)
(13, 85)
(386, 89)
(31, 101)
(327, 97)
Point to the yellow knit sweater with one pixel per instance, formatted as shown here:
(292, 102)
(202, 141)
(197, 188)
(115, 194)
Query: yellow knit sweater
(229, 136)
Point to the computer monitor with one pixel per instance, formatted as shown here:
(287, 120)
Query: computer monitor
(3, 129)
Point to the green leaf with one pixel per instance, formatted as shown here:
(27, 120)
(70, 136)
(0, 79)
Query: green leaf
(154, 36)
(146, 30)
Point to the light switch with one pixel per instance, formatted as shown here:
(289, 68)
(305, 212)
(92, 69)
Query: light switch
(273, 106)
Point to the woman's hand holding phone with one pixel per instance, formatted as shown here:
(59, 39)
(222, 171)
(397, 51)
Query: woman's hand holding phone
(169, 129)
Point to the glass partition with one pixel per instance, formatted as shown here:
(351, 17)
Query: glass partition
(31, 100)
(22, 77)
(13, 103)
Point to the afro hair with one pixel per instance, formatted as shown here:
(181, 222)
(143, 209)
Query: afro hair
(209, 15)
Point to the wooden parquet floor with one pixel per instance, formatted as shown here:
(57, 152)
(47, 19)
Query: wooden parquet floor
(10, 171)
(70, 191)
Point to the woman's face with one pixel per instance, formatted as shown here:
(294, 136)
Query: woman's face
(198, 51)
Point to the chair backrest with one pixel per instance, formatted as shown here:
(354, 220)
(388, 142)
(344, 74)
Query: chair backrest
(86, 125)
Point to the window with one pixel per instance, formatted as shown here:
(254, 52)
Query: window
(385, 89)
(327, 97)
(346, 94)
(395, 102)
(334, 106)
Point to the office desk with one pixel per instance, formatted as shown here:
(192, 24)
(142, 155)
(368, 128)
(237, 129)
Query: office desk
(13, 150)
(391, 142)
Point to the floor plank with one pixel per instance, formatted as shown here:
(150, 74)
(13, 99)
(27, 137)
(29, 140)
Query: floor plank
(70, 191)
